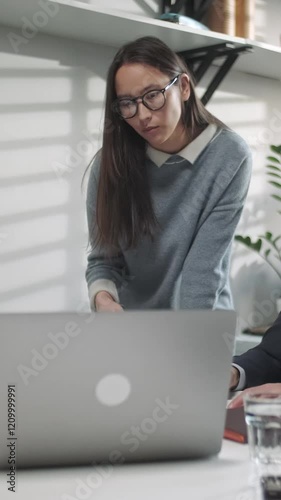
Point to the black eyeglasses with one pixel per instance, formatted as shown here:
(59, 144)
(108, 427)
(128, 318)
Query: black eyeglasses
(153, 100)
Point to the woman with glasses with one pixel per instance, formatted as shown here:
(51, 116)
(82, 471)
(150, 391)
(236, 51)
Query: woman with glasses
(165, 191)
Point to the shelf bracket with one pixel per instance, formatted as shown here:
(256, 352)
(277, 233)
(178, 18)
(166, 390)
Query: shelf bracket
(200, 59)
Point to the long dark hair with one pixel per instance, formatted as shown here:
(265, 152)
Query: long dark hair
(124, 210)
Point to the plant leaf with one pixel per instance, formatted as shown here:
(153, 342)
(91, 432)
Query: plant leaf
(276, 239)
(272, 158)
(276, 184)
(273, 167)
(276, 197)
(268, 236)
(246, 240)
(273, 174)
(267, 252)
(243, 239)
(257, 246)
(276, 149)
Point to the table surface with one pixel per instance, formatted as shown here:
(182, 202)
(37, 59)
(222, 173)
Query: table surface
(229, 476)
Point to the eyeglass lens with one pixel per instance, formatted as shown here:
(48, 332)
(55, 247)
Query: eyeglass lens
(153, 100)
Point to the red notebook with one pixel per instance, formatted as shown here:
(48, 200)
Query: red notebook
(235, 425)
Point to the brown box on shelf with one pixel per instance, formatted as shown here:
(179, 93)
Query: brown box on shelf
(232, 17)
(221, 17)
(245, 18)
(240, 18)
(249, 11)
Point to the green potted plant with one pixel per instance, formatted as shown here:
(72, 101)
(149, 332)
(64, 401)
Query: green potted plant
(268, 246)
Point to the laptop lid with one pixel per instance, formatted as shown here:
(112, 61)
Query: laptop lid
(139, 385)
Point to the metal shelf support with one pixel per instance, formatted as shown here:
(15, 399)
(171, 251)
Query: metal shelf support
(199, 60)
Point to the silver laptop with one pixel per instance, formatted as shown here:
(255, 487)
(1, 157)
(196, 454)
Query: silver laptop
(85, 389)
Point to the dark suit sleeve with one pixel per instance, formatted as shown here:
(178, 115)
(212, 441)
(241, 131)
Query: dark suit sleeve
(262, 364)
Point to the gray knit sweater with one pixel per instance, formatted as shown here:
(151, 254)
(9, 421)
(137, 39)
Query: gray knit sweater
(198, 196)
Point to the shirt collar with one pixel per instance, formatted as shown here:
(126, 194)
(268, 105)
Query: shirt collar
(189, 152)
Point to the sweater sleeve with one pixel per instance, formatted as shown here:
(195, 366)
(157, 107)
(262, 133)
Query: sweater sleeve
(205, 273)
(262, 364)
(102, 273)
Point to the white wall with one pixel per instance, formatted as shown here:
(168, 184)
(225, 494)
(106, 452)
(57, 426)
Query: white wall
(252, 107)
(50, 103)
(51, 98)
(267, 21)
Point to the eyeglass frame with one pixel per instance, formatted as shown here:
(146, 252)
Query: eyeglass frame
(135, 99)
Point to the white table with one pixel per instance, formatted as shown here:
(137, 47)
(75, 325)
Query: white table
(229, 476)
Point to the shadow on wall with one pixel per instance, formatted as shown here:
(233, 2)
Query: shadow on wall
(251, 106)
(50, 103)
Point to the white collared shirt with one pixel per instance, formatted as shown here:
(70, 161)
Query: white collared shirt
(189, 152)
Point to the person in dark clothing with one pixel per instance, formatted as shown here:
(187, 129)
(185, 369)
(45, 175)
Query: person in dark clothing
(259, 367)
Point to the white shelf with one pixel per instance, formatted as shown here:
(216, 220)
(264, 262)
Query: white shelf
(84, 22)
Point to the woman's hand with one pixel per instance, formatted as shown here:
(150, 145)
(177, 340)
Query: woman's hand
(105, 303)
(265, 389)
